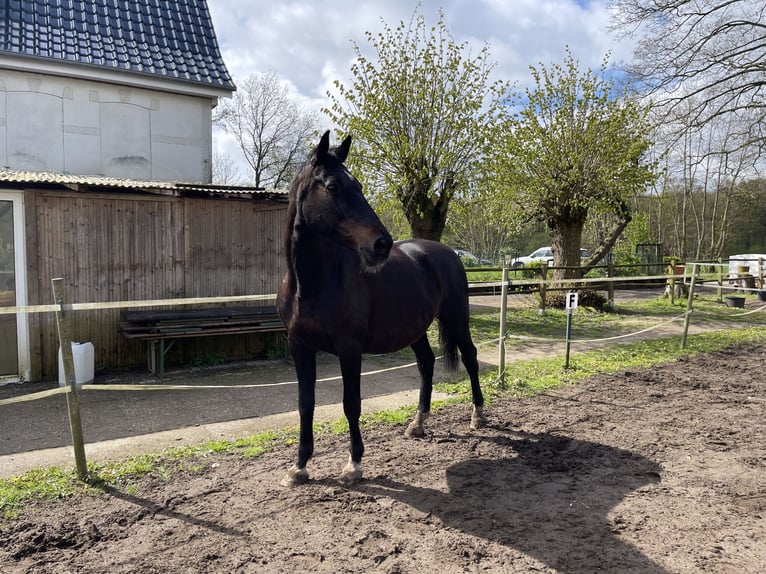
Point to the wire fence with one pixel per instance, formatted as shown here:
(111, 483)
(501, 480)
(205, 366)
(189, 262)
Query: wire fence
(692, 280)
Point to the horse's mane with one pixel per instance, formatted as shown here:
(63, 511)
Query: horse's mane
(303, 179)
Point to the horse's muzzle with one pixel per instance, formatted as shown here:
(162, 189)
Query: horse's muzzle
(376, 255)
(383, 247)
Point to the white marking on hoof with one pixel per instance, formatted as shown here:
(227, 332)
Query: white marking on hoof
(294, 477)
(478, 420)
(352, 473)
(416, 429)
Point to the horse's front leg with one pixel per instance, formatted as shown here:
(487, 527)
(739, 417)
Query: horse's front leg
(351, 369)
(305, 369)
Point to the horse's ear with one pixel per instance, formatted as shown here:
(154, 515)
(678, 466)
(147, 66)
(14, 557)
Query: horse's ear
(342, 152)
(322, 148)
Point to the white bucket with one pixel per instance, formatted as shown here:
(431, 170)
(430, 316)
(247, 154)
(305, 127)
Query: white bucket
(84, 359)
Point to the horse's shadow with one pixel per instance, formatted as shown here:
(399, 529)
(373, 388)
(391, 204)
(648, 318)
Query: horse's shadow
(550, 498)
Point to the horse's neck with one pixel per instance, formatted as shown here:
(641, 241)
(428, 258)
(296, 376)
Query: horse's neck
(315, 265)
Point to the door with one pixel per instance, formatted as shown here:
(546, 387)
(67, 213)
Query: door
(13, 332)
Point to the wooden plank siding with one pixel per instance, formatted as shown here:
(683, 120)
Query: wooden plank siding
(127, 247)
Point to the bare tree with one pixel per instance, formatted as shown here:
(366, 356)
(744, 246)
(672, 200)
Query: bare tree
(704, 172)
(272, 130)
(225, 171)
(701, 59)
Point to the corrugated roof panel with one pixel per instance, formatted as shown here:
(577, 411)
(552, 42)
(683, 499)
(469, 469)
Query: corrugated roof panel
(96, 181)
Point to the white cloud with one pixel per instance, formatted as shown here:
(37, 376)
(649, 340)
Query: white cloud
(309, 44)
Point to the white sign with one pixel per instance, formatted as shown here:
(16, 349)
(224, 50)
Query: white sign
(571, 301)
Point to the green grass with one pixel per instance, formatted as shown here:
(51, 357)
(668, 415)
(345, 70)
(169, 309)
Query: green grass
(522, 378)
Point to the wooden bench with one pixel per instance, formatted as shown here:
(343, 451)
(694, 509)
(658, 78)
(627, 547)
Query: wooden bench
(155, 327)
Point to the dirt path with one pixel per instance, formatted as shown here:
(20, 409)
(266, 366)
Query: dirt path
(646, 471)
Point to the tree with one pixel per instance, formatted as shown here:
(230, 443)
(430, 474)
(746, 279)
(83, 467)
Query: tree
(272, 130)
(575, 144)
(700, 59)
(419, 115)
(701, 185)
(225, 171)
(484, 226)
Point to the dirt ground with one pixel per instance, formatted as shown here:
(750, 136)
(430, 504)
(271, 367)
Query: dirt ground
(653, 471)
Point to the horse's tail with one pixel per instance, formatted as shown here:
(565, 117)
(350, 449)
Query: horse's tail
(448, 347)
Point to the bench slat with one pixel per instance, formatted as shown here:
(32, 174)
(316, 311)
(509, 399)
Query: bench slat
(176, 323)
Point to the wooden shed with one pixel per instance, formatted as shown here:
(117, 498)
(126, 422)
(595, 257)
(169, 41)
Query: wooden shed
(123, 240)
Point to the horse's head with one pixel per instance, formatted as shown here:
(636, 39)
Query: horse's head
(328, 200)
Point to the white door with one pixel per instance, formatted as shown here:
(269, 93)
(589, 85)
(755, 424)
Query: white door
(14, 354)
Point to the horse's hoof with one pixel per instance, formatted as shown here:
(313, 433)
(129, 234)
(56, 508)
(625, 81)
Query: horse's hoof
(415, 430)
(478, 420)
(294, 477)
(351, 474)
(417, 426)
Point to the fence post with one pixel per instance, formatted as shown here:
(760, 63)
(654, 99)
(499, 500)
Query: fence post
(544, 277)
(672, 280)
(72, 401)
(610, 284)
(503, 313)
(689, 303)
(719, 290)
(760, 273)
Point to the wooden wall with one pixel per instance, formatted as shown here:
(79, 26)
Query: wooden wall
(127, 247)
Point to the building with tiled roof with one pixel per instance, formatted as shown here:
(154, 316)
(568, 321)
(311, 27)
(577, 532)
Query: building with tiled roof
(109, 87)
(149, 39)
(105, 178)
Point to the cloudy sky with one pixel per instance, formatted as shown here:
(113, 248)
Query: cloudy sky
(309, 43)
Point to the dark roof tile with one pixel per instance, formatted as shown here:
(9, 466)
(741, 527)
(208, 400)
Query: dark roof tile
(170, 38)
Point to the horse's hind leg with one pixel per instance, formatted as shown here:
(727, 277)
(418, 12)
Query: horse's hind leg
(468, 355)
(426, 359)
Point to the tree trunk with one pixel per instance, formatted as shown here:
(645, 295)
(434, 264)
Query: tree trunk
(566, 238)
(427, 217)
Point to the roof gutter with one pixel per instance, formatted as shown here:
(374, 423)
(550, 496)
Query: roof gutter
(123, 77)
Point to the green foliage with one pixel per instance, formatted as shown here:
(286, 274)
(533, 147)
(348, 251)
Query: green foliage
(210, 358)
(419, 113)
(469, 262)
(533, 270)
(572, 145)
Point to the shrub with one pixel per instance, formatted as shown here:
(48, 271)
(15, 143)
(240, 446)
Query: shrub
(586, 298)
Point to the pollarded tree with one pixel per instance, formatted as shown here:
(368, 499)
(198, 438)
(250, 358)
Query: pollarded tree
(419, 114)
(571, 144)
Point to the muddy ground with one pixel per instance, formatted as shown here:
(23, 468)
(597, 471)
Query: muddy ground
(645, 471)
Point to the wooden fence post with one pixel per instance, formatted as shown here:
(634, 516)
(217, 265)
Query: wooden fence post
(544, 277)
(719, 289)
(672, 280)
(689, 303)
(72, 401)
(503, 313)
(610, 284)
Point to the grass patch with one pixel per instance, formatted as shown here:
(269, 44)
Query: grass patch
(526, 378)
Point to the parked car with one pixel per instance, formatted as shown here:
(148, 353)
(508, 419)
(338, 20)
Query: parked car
(463, 254)
(542, 254)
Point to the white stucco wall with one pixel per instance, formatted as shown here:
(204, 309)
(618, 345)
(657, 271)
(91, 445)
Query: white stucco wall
(66, 125)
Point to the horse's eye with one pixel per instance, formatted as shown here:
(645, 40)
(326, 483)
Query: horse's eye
(332, 187)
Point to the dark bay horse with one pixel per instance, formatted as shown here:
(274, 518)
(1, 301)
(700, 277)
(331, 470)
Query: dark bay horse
(350, 289)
